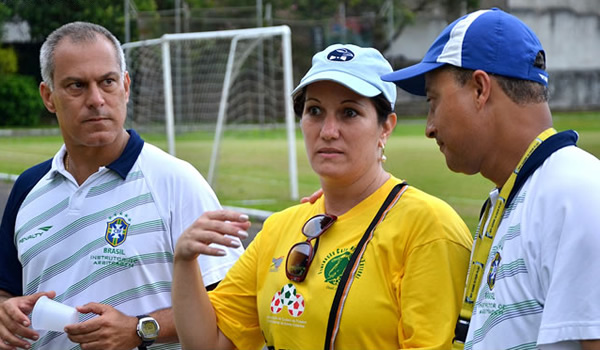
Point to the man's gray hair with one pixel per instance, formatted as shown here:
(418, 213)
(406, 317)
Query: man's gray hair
(77, 32)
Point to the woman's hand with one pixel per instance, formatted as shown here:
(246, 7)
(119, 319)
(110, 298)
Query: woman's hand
(213, 228)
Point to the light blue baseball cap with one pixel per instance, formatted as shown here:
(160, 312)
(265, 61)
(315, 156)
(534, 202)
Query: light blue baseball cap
(357, 68)
(490, 40)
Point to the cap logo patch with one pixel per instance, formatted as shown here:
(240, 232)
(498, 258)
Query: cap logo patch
(342, 55)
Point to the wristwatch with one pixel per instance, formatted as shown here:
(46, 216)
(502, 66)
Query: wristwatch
(147, 330)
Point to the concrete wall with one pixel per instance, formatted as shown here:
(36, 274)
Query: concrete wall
(571, 39)
(581, 6)
(568, 29)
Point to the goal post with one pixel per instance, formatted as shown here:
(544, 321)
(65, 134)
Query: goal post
(186, 81)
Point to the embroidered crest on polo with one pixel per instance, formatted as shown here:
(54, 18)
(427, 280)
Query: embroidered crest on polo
(341, 55)
(494, 267)
(116, 230)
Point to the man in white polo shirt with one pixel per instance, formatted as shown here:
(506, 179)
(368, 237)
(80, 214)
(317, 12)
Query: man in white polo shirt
(95, 227)
(533, 277)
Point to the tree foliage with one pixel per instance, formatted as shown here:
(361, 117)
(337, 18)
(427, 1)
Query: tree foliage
(8, 61)
(47, 15)
(20, 101)
(5, 12)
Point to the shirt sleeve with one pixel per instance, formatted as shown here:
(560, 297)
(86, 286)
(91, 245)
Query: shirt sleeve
(197, 197)
(431, 294)
(182, 196)
(11, 273)
(235, 301)
(568, 230)
(431, 289)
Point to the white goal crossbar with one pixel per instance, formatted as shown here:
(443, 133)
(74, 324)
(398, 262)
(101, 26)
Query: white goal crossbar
(235, 35)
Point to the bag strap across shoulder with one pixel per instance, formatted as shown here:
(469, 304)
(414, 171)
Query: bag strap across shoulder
(347, 278)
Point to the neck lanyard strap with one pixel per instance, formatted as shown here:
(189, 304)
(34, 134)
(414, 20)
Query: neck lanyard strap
(536, 154)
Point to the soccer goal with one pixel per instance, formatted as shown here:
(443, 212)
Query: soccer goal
(214, 80)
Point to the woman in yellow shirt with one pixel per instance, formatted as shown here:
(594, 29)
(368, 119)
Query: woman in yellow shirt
(372, 264)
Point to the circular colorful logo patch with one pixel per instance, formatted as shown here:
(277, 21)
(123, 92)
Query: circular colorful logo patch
(276, 304)
(297, 307)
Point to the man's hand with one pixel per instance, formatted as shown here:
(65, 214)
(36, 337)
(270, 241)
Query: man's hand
(110, 330)
(313, 197)
(219, 227)
(14, 322)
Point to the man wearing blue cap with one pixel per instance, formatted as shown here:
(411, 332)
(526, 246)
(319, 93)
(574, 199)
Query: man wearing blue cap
(533, 270)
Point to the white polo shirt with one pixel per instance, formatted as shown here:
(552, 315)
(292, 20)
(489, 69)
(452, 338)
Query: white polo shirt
(540, 289)
(110, 240)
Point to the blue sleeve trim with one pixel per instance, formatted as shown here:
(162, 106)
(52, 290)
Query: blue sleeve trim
(11, 273)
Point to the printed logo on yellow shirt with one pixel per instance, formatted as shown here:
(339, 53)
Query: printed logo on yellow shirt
(288, 297)
(334, 264)
(275, 263)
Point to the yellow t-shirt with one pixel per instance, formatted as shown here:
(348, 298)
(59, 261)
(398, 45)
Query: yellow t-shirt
(406, 293)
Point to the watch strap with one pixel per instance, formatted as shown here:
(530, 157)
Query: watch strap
(145, 343)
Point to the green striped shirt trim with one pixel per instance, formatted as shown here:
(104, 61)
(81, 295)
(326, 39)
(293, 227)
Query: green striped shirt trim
(111, 185)
(526, 346)
(113, 268)
(42, 218)
(52, 271)
(32, 196)
(134, 293)
(81, 223)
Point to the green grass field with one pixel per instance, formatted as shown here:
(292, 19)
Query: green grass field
(253, 168)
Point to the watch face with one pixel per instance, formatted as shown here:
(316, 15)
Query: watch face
(148, 329)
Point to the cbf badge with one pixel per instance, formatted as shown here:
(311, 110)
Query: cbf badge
(494, 266)
(116, 231)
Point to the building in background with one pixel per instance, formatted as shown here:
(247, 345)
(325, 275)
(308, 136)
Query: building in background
(568, 29)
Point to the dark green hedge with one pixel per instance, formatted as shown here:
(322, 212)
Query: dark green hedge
(20, 101)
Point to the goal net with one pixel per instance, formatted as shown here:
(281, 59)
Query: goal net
(188, 83)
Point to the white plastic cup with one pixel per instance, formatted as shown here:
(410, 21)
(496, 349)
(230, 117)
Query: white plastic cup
(51, 315)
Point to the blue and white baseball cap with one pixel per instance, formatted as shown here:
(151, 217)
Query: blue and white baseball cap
(490, 40)
(357, 68)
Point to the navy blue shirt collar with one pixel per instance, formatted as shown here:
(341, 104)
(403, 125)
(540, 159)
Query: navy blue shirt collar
(124, 163)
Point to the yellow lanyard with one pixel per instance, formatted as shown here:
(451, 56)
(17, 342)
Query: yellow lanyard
(483, 243)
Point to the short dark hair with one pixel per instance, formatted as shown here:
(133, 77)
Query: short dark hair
(518, 90)
(381, 103)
